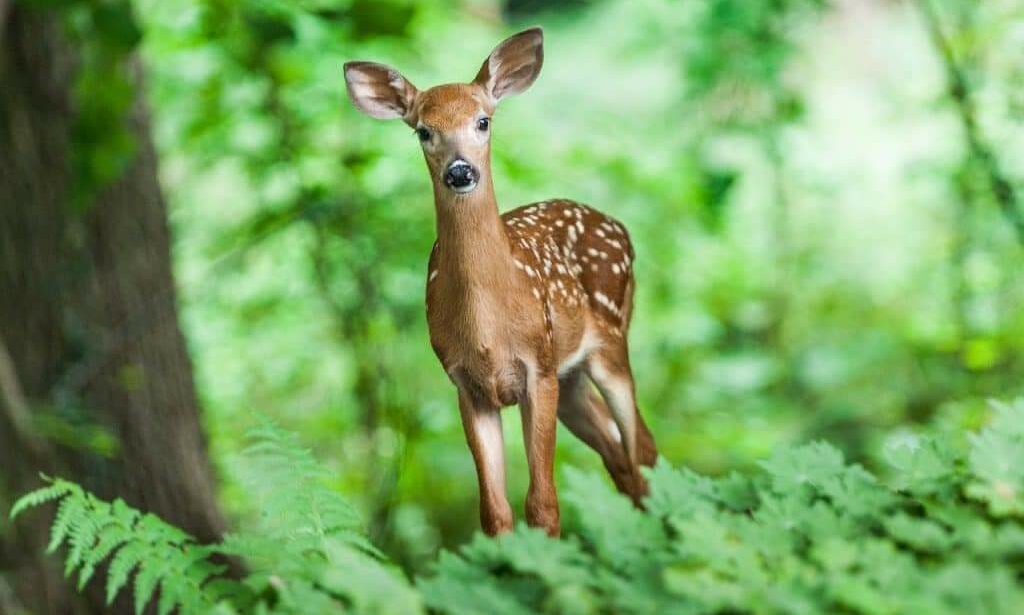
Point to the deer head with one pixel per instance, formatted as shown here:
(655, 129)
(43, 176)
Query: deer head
(451, 121)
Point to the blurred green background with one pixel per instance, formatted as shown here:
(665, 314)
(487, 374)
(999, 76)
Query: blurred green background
(821, 253)
(825, 199)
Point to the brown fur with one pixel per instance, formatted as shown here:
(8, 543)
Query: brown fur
(529, 307)
(446, 107)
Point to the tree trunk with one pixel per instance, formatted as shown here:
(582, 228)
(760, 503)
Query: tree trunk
(89, 334)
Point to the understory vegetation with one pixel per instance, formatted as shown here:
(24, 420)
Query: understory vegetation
(941, 532)
(198, 229)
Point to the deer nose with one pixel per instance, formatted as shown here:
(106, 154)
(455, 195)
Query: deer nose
(460, 176)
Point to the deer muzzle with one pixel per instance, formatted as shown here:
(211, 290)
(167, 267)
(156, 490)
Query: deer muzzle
(460, 176)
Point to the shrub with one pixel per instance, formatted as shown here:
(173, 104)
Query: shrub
(809, 533)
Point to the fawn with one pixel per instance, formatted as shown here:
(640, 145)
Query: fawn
(528, 307)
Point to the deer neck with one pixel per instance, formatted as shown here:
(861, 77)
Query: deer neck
(473, 247)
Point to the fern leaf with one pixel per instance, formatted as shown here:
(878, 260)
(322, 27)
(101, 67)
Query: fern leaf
(32, 499)
(168, 600)
(109, 539)
(126, 559)
(70, 509)
(123, 514)
(148, 578)
(82, 535)
(157, 531)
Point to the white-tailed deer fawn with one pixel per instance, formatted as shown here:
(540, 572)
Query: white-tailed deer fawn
(528, 307)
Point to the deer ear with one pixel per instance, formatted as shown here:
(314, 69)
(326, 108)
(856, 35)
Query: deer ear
(513, 65)
(380, 91)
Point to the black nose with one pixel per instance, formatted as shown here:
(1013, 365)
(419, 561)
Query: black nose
(460, 174)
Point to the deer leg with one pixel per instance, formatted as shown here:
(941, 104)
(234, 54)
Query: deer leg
(540, 412)
(610, 371)
(487, 443)
(647, 451)
(585, 414)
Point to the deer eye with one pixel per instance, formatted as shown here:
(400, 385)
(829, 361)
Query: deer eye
(483, 124)
(423, 134)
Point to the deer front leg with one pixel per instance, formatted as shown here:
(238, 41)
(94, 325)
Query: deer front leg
(540, 414)
(487, 443)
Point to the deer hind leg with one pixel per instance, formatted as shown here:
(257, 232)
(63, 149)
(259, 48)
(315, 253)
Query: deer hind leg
(609, 368)
(585, 414)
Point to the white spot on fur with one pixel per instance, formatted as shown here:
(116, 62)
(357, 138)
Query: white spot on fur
(603, 299)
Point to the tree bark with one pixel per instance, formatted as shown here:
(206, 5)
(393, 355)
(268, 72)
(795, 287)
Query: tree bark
(88, 323)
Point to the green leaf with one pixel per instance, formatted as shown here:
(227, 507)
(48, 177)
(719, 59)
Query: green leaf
(803, 467)
(41, 496)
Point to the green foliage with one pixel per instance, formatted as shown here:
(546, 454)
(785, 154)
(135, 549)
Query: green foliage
(740, 49)
(811, 229)
(287, 486)
(809, 533)
(799, 247)
(135, 545)
(997, 464)
(303, 554)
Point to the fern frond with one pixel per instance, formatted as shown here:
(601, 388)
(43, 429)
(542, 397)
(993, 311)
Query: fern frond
(168, 600)
(158, 554)
(121, 567)
(148, 576)
(82, 531)
(288, 486)
(56, 490)
(108, 539)
(70, 508)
